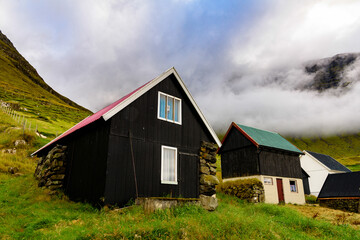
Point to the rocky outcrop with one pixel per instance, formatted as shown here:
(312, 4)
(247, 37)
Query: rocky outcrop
(50, 170)
(208, 179)
(329, 72)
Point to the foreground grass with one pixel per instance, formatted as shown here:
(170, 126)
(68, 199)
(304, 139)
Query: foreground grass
(29, 212)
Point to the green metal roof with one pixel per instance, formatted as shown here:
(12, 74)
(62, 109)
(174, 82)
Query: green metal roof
(269, 139)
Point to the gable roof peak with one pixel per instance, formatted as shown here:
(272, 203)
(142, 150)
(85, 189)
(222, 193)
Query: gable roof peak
(109, 111)
(328, 161)
(264, 138)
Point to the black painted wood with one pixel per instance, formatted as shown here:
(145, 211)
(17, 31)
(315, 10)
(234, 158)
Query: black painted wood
(86, 158)
(240, 157)
(99, 155)
(149, 133)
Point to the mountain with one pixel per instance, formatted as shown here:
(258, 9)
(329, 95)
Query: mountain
(333, 72)
(24, 90)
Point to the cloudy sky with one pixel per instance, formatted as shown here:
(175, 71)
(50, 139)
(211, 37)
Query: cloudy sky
(94, 52)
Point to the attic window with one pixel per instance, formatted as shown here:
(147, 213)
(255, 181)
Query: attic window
(293, 187)
(168, 165)
(169, 108)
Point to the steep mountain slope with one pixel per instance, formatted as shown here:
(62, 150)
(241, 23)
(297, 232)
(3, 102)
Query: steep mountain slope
(26, 92)
(331, 73)
(344, 148)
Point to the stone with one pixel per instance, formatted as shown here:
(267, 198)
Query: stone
(209, 180)
(57, 177)
(11, 151)
(212, 171)
(207, 145)
(212, 164)
(58, 155)
(204, 170)
(207, 190)
(209, 203)
(19, 142)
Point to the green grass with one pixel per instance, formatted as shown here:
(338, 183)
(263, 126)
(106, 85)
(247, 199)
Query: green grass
(28, 212)
(345, 148)
(339, 146)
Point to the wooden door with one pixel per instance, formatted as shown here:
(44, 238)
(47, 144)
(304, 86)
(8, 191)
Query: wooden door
(280, 190)
(189, 175)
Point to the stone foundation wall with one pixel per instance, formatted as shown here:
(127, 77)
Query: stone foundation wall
(151, 204)
(50, 170)
(208, 179)
(351, 205)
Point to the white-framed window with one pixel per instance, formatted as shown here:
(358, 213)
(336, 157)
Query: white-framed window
(169, 108)
(168, 165)
(293, 187)
(268, 180)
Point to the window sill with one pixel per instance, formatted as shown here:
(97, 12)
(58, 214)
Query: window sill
(168, 182)
(171, 121)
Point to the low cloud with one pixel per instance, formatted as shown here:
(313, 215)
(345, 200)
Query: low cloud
(242, 61)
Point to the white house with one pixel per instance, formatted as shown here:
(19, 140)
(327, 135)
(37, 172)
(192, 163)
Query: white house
(318, 166)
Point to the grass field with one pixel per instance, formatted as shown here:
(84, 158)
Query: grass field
(29, 212)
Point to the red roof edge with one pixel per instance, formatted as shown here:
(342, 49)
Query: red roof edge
(88, 120)
(239, 129)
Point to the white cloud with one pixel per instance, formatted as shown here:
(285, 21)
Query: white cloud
(96, 51)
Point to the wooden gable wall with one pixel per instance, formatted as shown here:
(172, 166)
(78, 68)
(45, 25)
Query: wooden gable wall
(148, 134)
(87, 158)
(238, 156)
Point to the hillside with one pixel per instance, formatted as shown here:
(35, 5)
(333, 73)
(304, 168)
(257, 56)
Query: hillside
(331, 73)
(24, 91)
(344, 148)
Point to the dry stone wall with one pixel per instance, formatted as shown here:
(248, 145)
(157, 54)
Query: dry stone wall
(50, 170)
(208, 179)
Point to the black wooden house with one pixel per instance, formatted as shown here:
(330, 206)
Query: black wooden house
(250, 152)
(146, 144)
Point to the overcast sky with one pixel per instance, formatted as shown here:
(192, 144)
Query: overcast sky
(94, 52)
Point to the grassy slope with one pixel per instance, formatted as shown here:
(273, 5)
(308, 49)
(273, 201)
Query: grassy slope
(344, 148)
(21, 86)
(28, 212)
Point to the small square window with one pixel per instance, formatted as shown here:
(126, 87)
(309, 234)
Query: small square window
(268, 181)
(293, 187)
(169, 108)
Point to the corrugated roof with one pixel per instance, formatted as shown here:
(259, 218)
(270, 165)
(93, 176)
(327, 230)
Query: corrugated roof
(329, 162)
(341, 185)
(269, 139)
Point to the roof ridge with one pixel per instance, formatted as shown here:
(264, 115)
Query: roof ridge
(257, 129)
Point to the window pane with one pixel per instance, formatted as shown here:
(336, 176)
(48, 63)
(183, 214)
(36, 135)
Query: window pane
(293, 186)
(170, 108)
(176, 110)
(162, 106)
(169, 161)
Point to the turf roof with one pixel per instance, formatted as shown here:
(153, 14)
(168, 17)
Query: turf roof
(269, 139)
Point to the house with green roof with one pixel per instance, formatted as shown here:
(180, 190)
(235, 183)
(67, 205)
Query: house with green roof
(248, 152)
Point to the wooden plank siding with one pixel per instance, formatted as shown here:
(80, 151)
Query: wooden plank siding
(86, 157)
(240, 157)
(240, 162)
(275, 163)
(148, 135)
